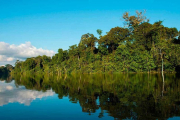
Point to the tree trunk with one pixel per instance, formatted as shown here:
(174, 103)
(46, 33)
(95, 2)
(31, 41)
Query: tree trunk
(162, 71)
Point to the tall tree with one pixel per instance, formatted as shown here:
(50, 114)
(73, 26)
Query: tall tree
(133, 21)
(99, 32)
(114, 37)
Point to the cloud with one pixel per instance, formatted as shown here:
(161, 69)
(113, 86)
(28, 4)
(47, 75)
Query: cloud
(9, 87)
(10, 53)
(9, 93)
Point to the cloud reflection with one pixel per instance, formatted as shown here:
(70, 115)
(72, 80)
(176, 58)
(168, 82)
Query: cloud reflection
(9, 93)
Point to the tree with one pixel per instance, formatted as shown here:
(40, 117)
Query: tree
(29, 64)
(88, 40)
(114, 37)
(60, 56)
(9, 67)
(99, 32)
(133, 21)
(142, 36)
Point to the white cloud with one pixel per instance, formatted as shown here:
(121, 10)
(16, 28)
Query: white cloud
(10, 53)
(9, 93)
(9, 87)
(10, 59)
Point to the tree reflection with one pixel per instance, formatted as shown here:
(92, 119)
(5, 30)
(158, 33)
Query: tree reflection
(6, 77)
(123, 96)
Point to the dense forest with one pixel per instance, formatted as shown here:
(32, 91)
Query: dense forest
(5, 70)
(139, 46)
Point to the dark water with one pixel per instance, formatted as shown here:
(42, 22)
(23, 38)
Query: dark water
(107, 97)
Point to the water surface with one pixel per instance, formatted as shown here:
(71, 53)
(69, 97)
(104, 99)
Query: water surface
(105, 96)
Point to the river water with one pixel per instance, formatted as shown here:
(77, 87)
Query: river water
(87, 97)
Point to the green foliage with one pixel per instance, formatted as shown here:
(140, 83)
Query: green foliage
(114, 37)
(5, 70)
(139, 47)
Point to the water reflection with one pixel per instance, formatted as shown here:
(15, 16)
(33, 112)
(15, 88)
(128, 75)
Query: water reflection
(10, 93)
(122, 96)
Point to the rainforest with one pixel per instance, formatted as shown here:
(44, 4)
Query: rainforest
(139, 46)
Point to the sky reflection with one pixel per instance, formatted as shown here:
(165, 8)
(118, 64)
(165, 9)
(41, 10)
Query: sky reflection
(9, 93)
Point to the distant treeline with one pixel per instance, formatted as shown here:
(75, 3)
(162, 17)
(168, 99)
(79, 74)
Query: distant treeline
(5, 70)
(138, 47)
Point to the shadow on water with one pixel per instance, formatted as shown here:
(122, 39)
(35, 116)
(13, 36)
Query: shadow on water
(122, 96)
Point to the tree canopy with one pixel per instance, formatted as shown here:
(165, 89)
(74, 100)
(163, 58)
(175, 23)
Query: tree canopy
(140, 46)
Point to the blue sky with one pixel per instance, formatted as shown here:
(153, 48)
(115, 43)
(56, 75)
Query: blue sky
(54, 24)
